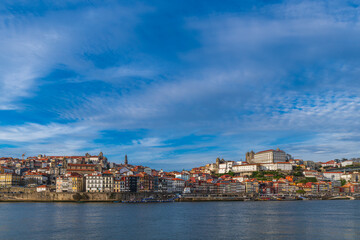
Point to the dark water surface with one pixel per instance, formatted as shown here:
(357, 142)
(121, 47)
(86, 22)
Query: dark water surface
(205, 220)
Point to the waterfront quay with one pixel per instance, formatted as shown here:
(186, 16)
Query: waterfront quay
(152, 197)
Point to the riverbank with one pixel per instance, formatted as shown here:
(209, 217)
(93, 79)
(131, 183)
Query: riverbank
(155, 197)
(81, 197)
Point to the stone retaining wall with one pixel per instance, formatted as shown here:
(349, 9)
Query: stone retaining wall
(83, 197)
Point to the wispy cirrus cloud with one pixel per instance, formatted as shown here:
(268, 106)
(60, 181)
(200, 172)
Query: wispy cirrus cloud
(35, 132)
(77, 38)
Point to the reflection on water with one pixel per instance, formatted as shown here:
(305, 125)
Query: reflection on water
(207, 220)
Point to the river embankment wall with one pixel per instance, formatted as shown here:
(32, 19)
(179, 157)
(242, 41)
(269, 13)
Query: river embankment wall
(76, 197)
(140, 196)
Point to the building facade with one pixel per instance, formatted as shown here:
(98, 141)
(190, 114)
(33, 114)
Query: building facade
(98, 182)
(268, 156)
(9, 179)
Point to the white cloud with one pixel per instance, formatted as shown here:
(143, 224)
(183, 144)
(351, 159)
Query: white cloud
(34, 132)
(33, 45)
(148, 142)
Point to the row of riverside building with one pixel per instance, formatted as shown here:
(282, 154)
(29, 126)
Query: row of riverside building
(278, 173)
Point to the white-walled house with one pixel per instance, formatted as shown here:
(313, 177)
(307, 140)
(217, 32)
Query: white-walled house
(282, 166)
(225, 167)
(347, 163)
(42, 188)
(245, 168)
(333, 176)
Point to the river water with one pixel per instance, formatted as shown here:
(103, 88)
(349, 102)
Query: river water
(201, 220)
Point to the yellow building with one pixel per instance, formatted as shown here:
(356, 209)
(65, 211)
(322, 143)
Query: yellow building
(117, 184)
(9, 179)
(251, 186)
(78, 184)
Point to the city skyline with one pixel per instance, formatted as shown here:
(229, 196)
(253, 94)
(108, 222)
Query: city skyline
(179, 84)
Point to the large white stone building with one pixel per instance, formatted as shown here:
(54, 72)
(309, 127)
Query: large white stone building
(269, 156)
(248, 168)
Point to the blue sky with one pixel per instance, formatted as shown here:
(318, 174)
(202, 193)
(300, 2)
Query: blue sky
(175, 84)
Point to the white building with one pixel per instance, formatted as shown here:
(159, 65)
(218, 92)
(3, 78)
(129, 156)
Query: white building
(94, 182)
(63, 184)
(333, 176)
(347, 177)
(351, 177)
(108, 182)
(183, 176)
(282, 166)
(98, 182)
(42, 188)
(237, 187)
(270, 156)
(35, 178)
(245, 168)
(331, 163)
(347, 163)
(225, 167)
(241, 163)
(211, 167)
(178, 185)
(239, 178)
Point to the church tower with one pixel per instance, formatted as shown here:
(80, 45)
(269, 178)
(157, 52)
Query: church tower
(249, 156)
(126, 160)
(217, 162)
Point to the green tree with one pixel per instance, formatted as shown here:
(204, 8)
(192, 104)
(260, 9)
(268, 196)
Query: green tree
(300, 191)
(311, 179)
(343, 182)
